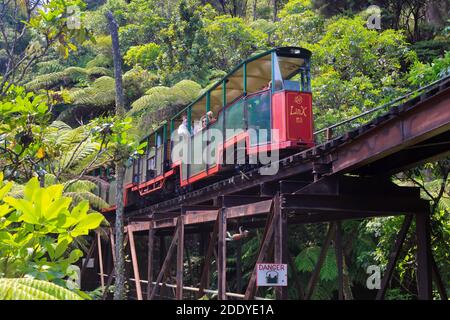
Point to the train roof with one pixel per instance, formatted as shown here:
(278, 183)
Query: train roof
(290, 55)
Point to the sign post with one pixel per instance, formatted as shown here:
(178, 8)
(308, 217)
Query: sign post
(271, 275)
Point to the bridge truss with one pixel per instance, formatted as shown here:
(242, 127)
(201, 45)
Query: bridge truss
(345, 177)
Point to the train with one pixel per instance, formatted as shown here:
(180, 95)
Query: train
(261, 108)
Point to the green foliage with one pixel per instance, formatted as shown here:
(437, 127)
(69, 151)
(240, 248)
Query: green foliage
(184, 44)
(36, 232)
(162, 102)
(23, 120)
(50, 66)
(100, 60)
(233, 40)
(32, 289)
(422, 74)
(143, 55)
(117, 138)
(52, 21)
(356, 69)
(302, 28)
(100, 94)
(70, 76)
(307, 259)
(137, 81)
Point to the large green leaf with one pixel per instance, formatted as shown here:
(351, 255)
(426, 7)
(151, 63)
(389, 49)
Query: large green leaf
(32, 289)
(91, 221)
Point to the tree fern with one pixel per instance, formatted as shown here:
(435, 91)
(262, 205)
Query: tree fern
(50, 66)
(32, 289)
(97, 72)
(100, 60)
(47, 81)
(94, 200)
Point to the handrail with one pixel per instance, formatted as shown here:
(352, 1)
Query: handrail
(380, 107)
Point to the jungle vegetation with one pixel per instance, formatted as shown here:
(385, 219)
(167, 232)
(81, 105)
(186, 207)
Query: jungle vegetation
(58, 117)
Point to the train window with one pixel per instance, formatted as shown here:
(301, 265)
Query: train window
(136, 170)
(215, 101)
(234, 87)
(294, 72)
(198, 114)
(277, 77)
(258, 74)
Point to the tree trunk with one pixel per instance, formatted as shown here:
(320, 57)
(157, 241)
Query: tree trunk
(275, 10)
(254, 9)
(119, 289)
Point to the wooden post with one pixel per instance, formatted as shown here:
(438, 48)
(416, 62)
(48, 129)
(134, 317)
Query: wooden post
(100, 260)
(301, 293)
(151, 239)
(280, 243)
(113, 271)
(165, 264)
(222, 255)
(394, 256)
(424, 284)
(266, 241)
(207, 261)
(328, 134)
(438, 280)
(323, 253)
(137, 278)
(180, 257)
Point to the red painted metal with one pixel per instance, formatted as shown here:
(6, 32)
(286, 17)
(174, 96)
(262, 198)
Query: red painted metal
(292, 117)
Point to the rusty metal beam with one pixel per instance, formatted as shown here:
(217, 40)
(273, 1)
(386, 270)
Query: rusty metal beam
(139, 226)
(428, 119)
(424, 257)
(239, 200)
(266, 241)
(359, 204)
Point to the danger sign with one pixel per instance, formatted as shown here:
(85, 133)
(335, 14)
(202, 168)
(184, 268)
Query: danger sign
(271, 274)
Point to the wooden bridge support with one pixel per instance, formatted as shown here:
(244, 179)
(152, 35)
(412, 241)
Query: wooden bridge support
(328, 200)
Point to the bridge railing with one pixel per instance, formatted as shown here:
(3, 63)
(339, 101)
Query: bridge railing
(340, 128)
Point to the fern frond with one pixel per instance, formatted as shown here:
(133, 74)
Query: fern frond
(33, 289)
(72, 157)
(79, 186)
(95, 201)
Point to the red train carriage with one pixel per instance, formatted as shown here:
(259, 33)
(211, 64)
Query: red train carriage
(263, 106)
